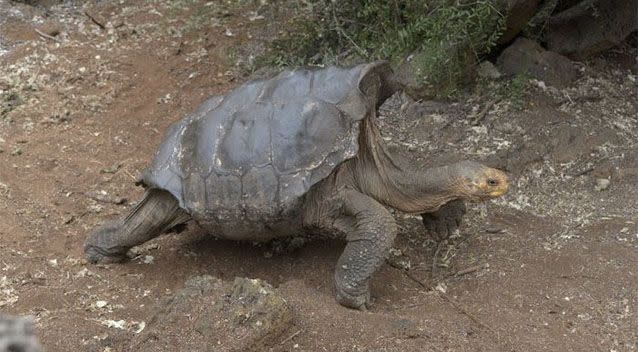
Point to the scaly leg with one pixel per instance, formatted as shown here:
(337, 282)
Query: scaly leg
(156, 213)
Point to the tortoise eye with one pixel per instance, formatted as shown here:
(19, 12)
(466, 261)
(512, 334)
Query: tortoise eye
(492, 182)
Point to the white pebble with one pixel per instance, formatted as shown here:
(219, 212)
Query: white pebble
(602, 184)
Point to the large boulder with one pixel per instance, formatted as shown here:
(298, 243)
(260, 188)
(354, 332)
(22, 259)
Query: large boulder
(525, 56)
(591, 26)
(518, 13)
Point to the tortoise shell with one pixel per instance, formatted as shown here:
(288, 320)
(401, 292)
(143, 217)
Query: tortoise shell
(247, 158)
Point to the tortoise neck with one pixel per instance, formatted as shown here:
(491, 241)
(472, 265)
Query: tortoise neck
(392, 180)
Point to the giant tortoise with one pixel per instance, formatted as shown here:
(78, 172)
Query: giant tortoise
(299, 153)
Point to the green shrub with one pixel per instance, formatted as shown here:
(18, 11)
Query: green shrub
(446, 36)
(512, 90)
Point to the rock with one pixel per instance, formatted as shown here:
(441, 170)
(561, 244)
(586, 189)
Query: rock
(519, 13)
(17, 334)
(487, 70)
(526, 56)
(602, 184)
(536, 25)
(258, 311)
(247, 315)
(51, 28)
(591, 26)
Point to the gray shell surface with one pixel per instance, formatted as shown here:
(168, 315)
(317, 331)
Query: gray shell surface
(248, 157)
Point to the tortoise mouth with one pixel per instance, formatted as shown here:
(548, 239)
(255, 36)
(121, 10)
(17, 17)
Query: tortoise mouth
(498, 191)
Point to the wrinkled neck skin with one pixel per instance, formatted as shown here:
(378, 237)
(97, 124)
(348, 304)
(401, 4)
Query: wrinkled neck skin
(393, 181)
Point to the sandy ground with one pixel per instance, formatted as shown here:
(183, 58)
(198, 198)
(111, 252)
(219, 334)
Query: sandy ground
(552, 266)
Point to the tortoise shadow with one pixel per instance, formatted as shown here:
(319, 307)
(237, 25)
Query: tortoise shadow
(195, 252)
(313, 262)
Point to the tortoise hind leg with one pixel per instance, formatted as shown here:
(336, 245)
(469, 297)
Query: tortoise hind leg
(155, 214)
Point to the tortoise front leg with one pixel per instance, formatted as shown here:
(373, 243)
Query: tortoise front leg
(443, 222)
(156, 213)
(368, 244)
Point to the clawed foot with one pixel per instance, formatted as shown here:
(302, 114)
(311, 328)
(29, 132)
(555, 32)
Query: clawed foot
(354, 301)
(98, 250)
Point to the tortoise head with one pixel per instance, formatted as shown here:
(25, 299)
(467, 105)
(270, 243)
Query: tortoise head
(477, 182)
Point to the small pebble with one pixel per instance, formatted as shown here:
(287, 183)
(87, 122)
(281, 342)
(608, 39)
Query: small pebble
(602, 184)
(84, 273)
(493, 229)
(16, 151)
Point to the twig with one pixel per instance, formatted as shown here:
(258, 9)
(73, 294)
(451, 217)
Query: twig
(582, 172)
(409, 274)
(103, 198)
(436, 255)
(581, 98)
(463, 310)
(343, 33)
(94, 20)
(471, 269)
(44, 35)
(290, 337)
(449, 300)
(458, 306)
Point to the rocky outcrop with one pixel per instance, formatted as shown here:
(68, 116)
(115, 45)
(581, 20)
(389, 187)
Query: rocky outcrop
(518, 13)
(525, 56)
(591, 26)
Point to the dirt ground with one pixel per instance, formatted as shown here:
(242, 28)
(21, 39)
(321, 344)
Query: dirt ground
(552, 266)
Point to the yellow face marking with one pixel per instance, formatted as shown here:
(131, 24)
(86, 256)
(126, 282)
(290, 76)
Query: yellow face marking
(489, 183)
(498, 192)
